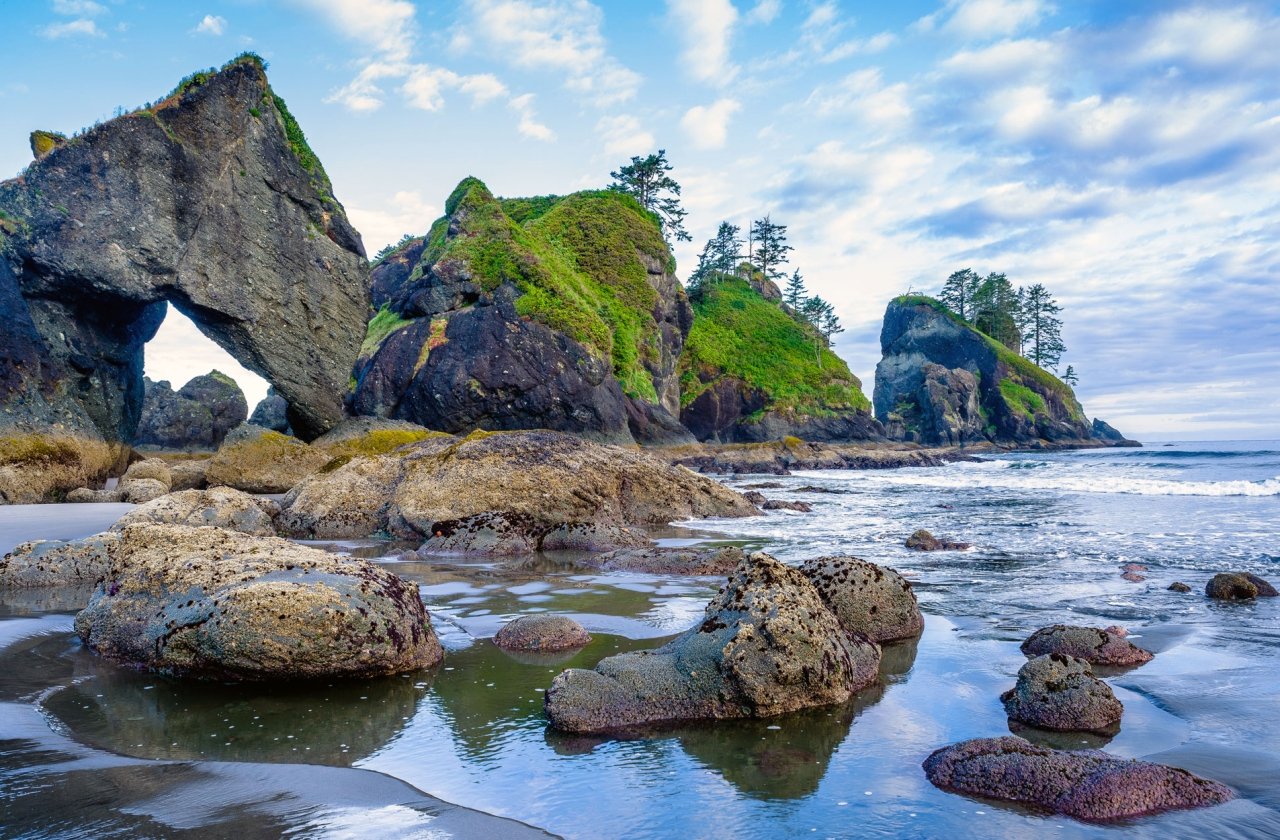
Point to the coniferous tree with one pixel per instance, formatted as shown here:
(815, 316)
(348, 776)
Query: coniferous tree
(795, 294)
(1070, 377)
(958, 292)
(719, 256)
(647, 179)
(770, 247)
(997, 310)
(1043, 327)
(823, 322)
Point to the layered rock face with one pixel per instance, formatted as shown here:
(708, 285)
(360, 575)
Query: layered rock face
(554, 312)
(751, 372)
(941, 381)
(198, 416)
(210, 200)
(272, 412)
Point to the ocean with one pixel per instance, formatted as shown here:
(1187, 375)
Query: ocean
(1089, 537)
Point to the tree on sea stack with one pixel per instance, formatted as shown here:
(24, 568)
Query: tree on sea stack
(647, 179)
(1070, 377)
(719, 256)
(795, 294)
(770, 252)
(959, 290)
(1041, 326)
(821, 316)
(997, 311)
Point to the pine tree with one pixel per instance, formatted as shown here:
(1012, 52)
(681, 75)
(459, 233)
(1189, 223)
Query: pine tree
(647, 179)
(1070, 377)
(719, 256)
(822, 320)
(1043, 327)
(997, 310)
(795, 294)
(958, 291)
(770, 247)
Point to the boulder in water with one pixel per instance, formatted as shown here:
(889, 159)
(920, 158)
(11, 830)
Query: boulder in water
(1238, 586)
(872, 600)
(1097, 647)
(1061, 693)
(541, 633)
(1086, 784)
(922, 540)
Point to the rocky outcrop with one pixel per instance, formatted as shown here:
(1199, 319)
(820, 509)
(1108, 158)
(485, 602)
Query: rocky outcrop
(752, 372)
(209, 199)
(539, 313)
(257, 460)
(782, 456)
(1061, 693)
(1103, 430)
(44, 466)
(171, 422)
(1095, 646)
(1238, 586)
(767, 645)
(542, 634)
(922, 540)
(942, 382)
(211, 603)
(1087, 785)
(219, 507)
(872, 600)
(531, 486)
(222, 396)
(272, 412)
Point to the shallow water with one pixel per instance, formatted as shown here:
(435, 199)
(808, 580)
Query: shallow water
(1051, 533)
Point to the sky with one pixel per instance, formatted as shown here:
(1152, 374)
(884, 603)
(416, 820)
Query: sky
(1124, 153)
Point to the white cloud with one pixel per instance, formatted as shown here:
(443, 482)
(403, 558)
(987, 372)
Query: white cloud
(561, 36)
(363, 93)
(385, 26)
(986, 18)
(706, 29)
(212, 25)
(529, 125)
(864, 96)
(1212, 37)
(405, 212)
(764, 12)
(78, 8)
(708, 126)
(623, 135)
(80, 26)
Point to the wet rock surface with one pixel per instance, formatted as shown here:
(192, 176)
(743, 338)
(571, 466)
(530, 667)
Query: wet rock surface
(1095, 646)
(1061, 693)
(1087, 785)
(1238, 586)
(219, 507)
(922, 540)
(55, 563)
(782, 456)
(872, 600)
(541, 633)
(211, 603)
(767, 645)
(673, 561)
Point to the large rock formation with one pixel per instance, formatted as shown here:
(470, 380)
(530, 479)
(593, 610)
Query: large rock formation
(768, 645)
(209, 199)
(941, 381)
(272, 412)
(753, 372)
(554, 312)
(198, 416)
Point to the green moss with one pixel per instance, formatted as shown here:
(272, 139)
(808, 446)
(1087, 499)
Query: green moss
(36, 449)
(737, 333)
(378, 442)
(1022, 399)
(298, 141)
(223, 378)
(381, 325)
(576, 261)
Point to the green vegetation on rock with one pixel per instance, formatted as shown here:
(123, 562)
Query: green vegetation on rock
(381, 325)
(1021, 398)
(738, 333)
(577, 261)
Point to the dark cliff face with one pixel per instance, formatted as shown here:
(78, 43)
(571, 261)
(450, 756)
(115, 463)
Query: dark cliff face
(198, 416)
(553, 312)
(209, 200)
(941, 381)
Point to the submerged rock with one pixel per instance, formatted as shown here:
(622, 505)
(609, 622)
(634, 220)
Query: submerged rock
(1085, 784)
(778, 504)
(670, 561)
(1061, 693)
(767, 645)
(541, 633)
(211, 603)
(258, 460)
(922, 540)
(1238, 586)
(1097, 647)
(1179, 586)
(872, 600)
(220, 507)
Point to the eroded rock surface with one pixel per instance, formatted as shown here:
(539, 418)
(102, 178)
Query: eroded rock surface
(872, 600)
(258, 460)
(767, 645)
(541, 633)
(212, 603)
(219, 507)
(1087, 785)
(1061, 693)
(1095, 646)
(1238, 586)
(922, 540)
